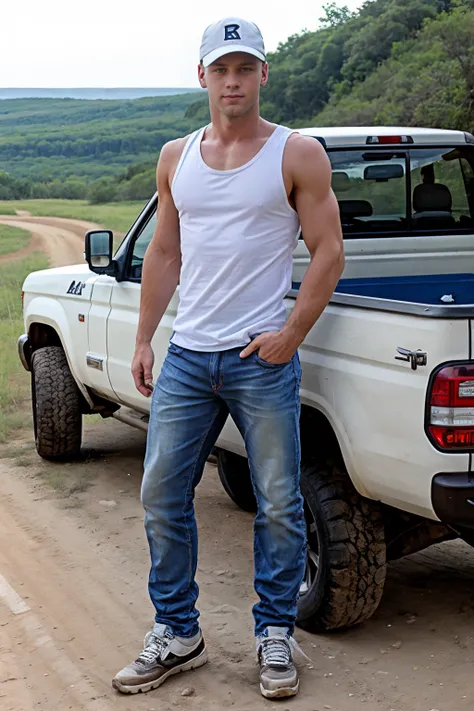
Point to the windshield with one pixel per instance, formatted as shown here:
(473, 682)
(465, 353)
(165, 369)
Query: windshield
(420, 190)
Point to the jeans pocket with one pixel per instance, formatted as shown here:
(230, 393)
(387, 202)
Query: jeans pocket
(267, 364)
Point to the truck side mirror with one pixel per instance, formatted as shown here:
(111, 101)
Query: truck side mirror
(98, 251)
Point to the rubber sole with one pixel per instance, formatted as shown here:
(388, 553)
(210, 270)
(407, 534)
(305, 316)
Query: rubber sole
(143, 688)
(280, 693)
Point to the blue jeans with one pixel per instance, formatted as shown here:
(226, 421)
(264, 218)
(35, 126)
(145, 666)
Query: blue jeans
(192, 398)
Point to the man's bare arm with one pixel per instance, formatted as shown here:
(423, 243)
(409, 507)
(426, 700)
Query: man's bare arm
(161, 268)
(318, 212)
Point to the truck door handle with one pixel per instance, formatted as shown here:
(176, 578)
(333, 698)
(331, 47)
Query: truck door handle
(415, 358)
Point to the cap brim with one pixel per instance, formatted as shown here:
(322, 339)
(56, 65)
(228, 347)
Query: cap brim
(221, 51)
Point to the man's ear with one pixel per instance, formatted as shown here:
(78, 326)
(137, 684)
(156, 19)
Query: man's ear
(264, 79)
(202, 76)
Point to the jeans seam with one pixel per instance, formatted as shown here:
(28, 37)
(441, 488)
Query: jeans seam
(210, 371)
(190, 481)
(298, 463)
(221, 371)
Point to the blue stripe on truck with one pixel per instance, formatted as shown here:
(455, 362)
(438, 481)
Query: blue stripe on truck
(422, 289)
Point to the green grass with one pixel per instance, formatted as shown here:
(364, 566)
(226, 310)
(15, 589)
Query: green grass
(12, 239)
(14, 380)
(117, 216)
(6, 209)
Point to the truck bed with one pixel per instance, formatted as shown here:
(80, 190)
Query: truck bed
(423, 289)
(440, 295)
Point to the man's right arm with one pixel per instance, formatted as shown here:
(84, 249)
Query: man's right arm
(161, 268)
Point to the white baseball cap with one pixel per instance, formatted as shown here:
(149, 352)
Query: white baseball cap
(231, 35)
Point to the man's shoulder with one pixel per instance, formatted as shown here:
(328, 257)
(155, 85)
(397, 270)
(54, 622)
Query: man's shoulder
(173, 149)
(171, 153)
(305, 161)
(300, 147)
(304, 152)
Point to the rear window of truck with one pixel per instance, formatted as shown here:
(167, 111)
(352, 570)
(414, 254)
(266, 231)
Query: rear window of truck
(420, 190)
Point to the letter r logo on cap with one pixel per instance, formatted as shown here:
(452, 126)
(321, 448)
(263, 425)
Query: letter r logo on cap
(231, 32)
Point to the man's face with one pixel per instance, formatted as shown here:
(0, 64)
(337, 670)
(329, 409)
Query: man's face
(233, 83)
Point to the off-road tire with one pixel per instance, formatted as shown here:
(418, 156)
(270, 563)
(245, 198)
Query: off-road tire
(234, 474)
(348, 532)
(56, 404)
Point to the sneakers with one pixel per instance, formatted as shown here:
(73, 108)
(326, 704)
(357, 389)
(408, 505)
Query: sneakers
(278, 675)
(163, 655)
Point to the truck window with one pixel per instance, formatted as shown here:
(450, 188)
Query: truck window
(140, 247)
(442, 189)
(372, 190)
(370, 187)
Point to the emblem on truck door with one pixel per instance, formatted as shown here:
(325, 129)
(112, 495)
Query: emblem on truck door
(76, 288)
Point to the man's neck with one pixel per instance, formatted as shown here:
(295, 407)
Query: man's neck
(240, 128)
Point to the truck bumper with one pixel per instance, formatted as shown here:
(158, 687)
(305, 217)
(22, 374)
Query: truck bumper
(452, 496)
(24, 351)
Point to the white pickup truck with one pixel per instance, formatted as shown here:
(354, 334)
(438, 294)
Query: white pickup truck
(387, 393)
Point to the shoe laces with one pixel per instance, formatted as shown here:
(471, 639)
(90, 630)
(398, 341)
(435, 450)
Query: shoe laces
(155, 646)
(279, 651)
(275, 652)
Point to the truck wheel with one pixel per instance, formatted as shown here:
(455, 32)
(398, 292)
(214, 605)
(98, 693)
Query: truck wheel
(467, 535)
(346, 563)
(56, 403)
(234, 474)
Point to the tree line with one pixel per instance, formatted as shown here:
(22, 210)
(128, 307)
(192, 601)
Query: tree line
(136, 183)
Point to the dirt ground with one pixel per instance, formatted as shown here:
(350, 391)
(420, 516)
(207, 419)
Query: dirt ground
(60, 238)
(74, 604)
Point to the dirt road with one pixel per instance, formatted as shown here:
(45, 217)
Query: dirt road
(74, 604)
(60, 238)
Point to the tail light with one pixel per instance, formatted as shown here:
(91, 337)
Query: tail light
(451, 408)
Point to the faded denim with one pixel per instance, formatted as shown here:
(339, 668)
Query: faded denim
(192, 398)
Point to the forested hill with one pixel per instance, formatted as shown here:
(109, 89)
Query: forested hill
(394, 62)
(72, 148)
(42, 138)
(405, 62)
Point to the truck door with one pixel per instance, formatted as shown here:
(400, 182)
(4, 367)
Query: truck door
(96, 356)
(122, 326)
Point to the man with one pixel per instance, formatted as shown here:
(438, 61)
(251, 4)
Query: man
(231, 199)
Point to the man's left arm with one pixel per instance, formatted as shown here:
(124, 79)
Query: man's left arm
(320, 221)
(308, 166)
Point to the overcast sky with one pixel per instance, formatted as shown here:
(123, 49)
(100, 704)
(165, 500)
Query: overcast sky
(141, 43)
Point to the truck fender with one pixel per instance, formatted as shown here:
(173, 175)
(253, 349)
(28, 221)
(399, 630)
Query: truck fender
(50, 312)
(333, 433)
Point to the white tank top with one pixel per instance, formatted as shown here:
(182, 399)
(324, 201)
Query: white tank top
(238, 233)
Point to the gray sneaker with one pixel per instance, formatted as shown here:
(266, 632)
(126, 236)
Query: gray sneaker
(278, 675)
(163, 655)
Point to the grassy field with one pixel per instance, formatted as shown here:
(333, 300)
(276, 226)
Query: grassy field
(12, 239)
(7, 208)
(14, 380)
(117, 216)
